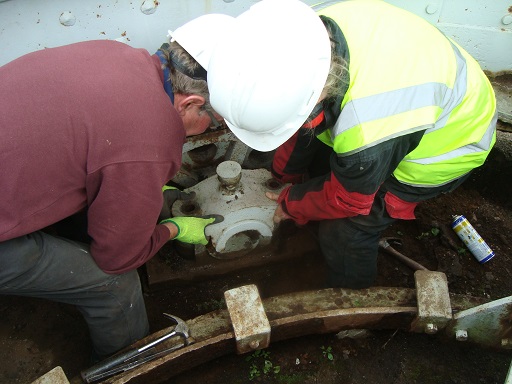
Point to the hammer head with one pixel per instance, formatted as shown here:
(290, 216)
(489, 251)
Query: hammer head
(181, 327)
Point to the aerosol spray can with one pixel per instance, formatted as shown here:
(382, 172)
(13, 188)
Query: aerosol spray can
(472, 239)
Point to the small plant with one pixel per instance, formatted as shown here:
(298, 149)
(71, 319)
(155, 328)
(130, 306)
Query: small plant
(268, 367)
(254, 372)
(433, 231)
(211, 305)
(258, 353)
(461, 251)
(423, 235)
(261, 358)
(327, 352)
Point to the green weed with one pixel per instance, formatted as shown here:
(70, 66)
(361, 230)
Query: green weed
(433, 231)
(327, 352)
(210, 305)
(261, 364)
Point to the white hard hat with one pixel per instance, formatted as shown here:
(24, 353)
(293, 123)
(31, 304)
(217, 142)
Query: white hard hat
(267, 74)
(199, 36)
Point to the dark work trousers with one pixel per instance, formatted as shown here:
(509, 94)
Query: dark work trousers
(44, 266)
(350, 246)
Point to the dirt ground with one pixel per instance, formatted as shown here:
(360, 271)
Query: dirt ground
(36, 335)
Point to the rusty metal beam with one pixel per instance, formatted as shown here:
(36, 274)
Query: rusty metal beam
(292, 315)
(288, 243)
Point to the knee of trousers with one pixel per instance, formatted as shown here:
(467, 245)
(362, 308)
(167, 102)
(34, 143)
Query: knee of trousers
(124, 293)
(118, 316)
(350, 253)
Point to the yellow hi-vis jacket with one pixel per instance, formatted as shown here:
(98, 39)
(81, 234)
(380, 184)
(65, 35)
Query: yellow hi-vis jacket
(397, 89)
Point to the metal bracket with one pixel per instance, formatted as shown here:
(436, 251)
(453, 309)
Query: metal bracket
(55, 376)
(434, 307)
(250, 322)
(489, 324)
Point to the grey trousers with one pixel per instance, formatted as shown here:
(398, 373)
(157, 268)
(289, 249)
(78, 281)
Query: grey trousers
(49, 267)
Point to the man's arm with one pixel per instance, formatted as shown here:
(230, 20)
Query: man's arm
(125, 200)
(351, 186)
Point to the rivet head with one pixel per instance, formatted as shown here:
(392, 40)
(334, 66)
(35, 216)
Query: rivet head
(431, 9)
(431, 329)
(148, 7)
(67, 18)
(461, 335)
(254, 344)
(507, 19)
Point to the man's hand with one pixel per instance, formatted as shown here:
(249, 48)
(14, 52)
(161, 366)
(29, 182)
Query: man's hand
(279, 214)
(171, 194)
(191, 229)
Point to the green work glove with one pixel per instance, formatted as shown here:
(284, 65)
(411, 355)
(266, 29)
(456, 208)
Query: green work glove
(171, 194)
(191, 229)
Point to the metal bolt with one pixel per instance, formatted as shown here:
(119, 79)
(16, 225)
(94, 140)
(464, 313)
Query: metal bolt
(461, 335)
(254, 344)
(229, 174)
(431, 329)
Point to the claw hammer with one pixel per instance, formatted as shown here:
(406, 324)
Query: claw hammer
(384, 244)
(93, 373)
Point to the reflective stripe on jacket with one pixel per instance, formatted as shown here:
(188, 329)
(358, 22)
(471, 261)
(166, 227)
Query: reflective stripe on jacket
(399, 89)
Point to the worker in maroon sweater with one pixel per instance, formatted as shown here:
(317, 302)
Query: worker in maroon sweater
(97, 127)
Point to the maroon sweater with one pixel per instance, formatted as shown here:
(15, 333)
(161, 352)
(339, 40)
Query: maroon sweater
(88, 125)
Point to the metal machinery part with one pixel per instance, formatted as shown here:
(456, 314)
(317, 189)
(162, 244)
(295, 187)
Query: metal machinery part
(250, 323)
(202, 153)
(239, 196)
(31, 25)
(247, 227)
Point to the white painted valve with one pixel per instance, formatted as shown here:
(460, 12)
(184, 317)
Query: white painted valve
(239, 196)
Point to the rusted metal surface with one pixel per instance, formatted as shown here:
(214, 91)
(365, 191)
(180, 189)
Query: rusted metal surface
(239, 195)
(248, 318)
(489, 324)
(335, 320)
(55, 376)
(434, 307)
(290, 243)
(292, 315)
(202, 153)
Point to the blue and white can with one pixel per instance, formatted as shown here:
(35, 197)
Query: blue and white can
(468, 234)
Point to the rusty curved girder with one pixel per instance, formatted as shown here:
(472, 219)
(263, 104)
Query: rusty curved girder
(292, 315)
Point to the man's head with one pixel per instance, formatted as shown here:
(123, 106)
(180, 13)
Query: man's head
(188, 56)
(191, 96)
